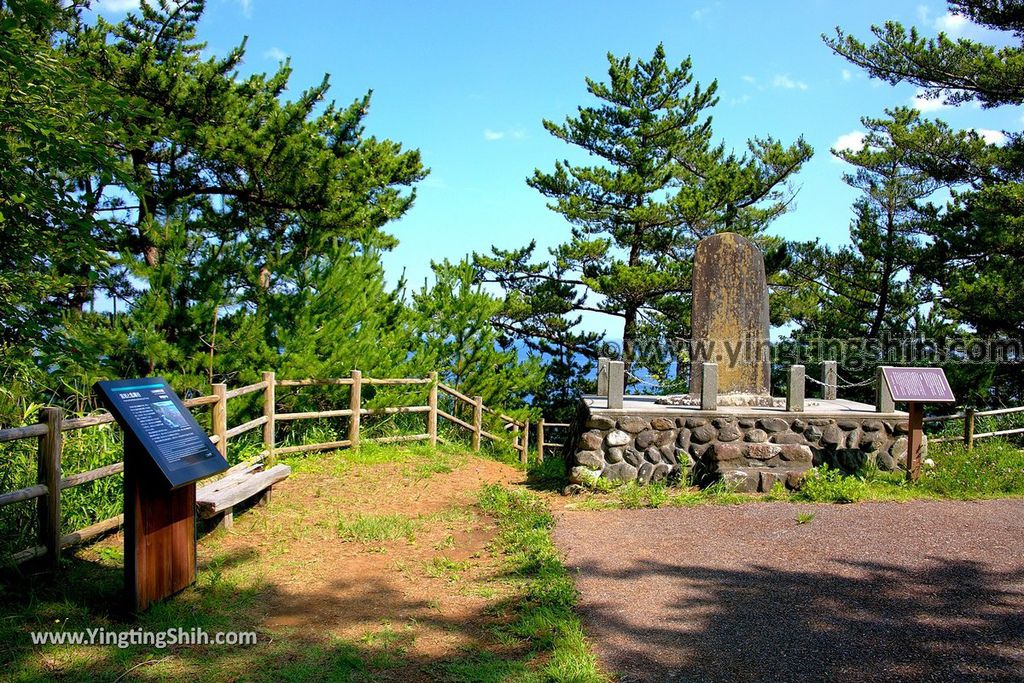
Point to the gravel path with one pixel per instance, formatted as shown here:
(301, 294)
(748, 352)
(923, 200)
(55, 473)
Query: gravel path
(924, 591)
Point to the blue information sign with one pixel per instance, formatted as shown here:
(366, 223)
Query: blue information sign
(149, 410)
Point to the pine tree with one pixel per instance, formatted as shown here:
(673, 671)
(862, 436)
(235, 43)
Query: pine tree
(451, 322)
(233, 192)
(978, 244)
(659, 184)
(867, 291)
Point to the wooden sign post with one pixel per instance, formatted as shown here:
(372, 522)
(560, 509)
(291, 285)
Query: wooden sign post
(916, 386)
(165, 453)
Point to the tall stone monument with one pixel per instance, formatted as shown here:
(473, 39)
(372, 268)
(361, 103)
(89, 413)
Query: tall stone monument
(730, 322)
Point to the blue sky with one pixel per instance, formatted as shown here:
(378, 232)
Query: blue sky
(468, 84)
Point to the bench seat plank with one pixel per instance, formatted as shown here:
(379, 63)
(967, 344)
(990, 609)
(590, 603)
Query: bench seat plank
(232, 489)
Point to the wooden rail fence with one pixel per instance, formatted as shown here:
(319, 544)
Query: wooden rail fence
(542, 431)
(49, 432)
(969, 416)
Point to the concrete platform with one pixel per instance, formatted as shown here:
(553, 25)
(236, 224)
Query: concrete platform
(646, 406)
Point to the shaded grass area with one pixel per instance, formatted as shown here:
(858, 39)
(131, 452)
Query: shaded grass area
(543, 617)
(519, 626)
(993, 469)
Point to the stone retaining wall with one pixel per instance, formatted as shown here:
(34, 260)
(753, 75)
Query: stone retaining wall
(751, 452)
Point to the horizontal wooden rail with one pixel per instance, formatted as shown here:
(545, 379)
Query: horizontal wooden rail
(1000, 411)
(980, 413)
(248, 389)
(502, 416)
(317, 415)
(557, 424)
(26, 432)
(488, 435)
(81, 536)
(455, 393)
(451, 418)
(395, 382)
(29, 554)
(27, 493)
(313, 382)
(200, 401)
(944, 418)
(395, 410)
(1002, 432)
(246, 426)
(91, 475)
(946, 439)
(92, 531)
(548, 443)
(83, 422)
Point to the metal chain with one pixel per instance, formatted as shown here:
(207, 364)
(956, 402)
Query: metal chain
(846, 383)
(641, 381)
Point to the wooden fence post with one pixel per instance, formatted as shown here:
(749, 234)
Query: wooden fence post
(540, 441)
(432, 413)
(524, 457)
(269, 401)
(220, 417)
(478, 419)
(51, 445)
(355, 404)
(969, 428)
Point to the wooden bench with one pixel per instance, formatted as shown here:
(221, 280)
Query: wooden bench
(240, 483)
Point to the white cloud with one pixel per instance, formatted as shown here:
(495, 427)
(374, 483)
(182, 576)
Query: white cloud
(787, 83)
(743, 99)
(512, 133)
(922, 104)
(923, 12)
(749, 79)
(701, 13)
(276, 53)
(847, 75)
(117, 5)
(951, 23)
(246, 6)
(992, 137)
(852, 141)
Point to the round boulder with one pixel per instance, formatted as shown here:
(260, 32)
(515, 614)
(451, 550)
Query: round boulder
(617, 438)
(632, 424)
(592, 440)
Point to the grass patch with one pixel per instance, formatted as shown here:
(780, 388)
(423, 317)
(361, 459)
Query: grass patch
(377, 528)
(541, 617)
(993, 469)
(442, 567)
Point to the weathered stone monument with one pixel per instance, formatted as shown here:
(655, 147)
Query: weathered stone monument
(729, 323)
(744, 438)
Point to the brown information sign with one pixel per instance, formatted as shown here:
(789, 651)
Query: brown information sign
(918, 385)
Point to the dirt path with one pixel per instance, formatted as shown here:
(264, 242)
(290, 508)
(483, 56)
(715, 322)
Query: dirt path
(414, 596)
(928, 590)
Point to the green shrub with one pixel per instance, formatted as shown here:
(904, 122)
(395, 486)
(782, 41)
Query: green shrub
(828, 485)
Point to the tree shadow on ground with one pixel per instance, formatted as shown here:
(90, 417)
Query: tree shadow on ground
(868, 621)
(295, 632)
